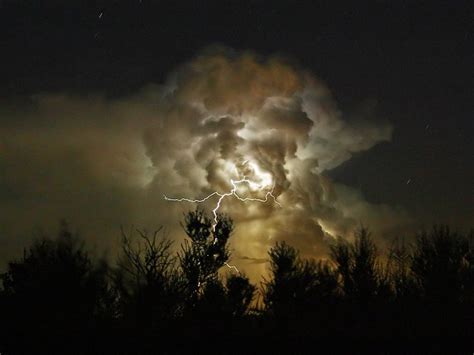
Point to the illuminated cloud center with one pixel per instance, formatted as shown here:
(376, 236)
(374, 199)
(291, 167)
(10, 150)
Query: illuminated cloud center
(263, 182)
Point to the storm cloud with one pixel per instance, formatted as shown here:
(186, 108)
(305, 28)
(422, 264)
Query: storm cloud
(224, 115)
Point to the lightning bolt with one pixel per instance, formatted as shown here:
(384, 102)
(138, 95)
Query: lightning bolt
(232, 192)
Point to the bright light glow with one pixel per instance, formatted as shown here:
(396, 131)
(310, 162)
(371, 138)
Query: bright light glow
(264, 178)
(265, 182)
(232, 192)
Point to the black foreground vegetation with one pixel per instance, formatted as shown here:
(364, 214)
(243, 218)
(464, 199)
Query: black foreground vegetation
(58, 299)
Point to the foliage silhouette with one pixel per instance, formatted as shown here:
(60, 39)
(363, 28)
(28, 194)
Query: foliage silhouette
(55, 288)
(240, 293)
(356, 265)
(297, 289)
(203, 254)
(442, 266)
(147, 282)
(157, 298)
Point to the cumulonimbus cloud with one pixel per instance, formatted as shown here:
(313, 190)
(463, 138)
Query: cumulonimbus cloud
(102, 162)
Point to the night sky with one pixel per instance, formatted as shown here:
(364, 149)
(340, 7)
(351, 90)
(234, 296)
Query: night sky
(406, 63)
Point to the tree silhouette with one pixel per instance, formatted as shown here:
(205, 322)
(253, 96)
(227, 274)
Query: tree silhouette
(147, 281)
(442, 265)
(55, 288)
(204, 253)
(399, 270)
(298, 289)
(365, 285)
(279, 291)
(240, 293)
(56, 298)
(356, 265)
(212, 304)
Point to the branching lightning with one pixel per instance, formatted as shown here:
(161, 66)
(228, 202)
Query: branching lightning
(233, 192)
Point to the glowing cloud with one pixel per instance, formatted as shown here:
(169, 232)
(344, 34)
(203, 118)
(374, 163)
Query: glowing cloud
(265, 181)
(225, 128)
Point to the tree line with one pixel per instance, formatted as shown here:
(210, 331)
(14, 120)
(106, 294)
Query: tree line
(58, 298)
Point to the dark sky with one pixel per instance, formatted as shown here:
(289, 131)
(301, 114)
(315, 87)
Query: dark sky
(411, 60)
